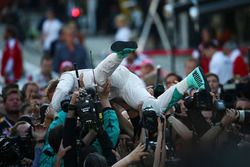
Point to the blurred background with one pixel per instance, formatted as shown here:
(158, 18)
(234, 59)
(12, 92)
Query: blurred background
(167, 31)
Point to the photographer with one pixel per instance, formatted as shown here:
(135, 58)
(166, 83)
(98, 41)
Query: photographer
(107, 134)
(28, 140)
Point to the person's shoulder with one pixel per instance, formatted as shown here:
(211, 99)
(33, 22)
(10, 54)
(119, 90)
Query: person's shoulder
(3, 123)
(2, 120)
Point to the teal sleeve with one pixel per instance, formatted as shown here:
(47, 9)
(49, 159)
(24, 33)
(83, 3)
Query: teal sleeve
(45, 160)
(111, 126)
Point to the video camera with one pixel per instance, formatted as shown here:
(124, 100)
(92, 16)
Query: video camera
(13, 150)
(200, 101)
(237, 89)
(88, 109)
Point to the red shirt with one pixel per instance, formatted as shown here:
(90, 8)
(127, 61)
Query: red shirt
(12, 52)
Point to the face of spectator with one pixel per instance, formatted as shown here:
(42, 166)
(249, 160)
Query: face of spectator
(170, 81)
(68, 36)
(190, 66)
(50, 14)
(46, 66)
(146, 69)
(208, 52)
(23, 130)
(213, 83)
(243, 105)
(205, 35)
(226, 51)
(31, 89)
(12, 103)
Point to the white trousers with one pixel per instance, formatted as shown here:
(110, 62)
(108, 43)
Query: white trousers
(124, 84)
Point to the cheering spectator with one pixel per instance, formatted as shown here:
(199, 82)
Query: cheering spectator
(70, 51)
(219, 64)
(46, 73)
(239, 66)
(12, 61)
(50, 30)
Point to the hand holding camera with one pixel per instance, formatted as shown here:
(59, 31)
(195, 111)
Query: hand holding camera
(230, 116)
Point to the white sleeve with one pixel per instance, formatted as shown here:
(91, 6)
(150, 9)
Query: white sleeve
(214, 66)
(65, 85)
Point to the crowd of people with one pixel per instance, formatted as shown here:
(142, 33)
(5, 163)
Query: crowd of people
(125, 111)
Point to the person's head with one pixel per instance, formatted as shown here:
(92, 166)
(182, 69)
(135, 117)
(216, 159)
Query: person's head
(95, 160)
(171, 79)
(46, 64)
(10, 32)
(121, 21)
(26, 109)
(207, 34)
(229, 46)
(242, 104)
(55, 137)
(51, 88)
(209, 49)
(50, 14)
(68, 35)
(30, 88)
(147, 67)
(213, 81)
(190, 65)
(21, 129)
(66, 66)
(11, 99)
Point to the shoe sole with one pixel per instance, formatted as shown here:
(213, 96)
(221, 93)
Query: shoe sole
(118, 46)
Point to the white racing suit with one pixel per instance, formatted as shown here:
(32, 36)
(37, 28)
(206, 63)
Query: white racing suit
(124, 84)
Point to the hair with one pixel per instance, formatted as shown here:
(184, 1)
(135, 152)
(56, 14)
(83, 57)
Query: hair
(51, 86)
(212, 75)
(10, 29)
(26, 86)
(9, 92)
(55, 137)
(179, 78)
(210, 44)
(95, 160)
(13, 131)
(45, 57)
(210, 31)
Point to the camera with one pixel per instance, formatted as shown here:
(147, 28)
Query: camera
(201, 100)
(232, 90)
(14, 149)
(88, 109)
(9, 152)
